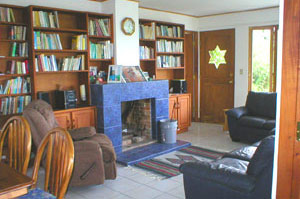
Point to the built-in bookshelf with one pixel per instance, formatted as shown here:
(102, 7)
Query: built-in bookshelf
(164, 42)
(44, 49)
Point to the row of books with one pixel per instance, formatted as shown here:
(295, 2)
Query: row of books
(99, 27)
(47, 41)
(168, 61)
(7, 15)
(146, 52)
(19, 49)
(169, 46)
(45, 19)
(147, 31)
(79, 42)
(14, 105)
(101, 50)
(169, 31)
(17, 67)
(17, 32)
(16, 86)
(50, 63)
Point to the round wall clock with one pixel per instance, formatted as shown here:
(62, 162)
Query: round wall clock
(128, 26)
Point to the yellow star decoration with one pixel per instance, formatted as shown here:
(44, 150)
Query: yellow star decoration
(217, 57)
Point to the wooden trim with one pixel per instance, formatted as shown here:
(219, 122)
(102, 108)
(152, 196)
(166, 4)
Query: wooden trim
(170, 12)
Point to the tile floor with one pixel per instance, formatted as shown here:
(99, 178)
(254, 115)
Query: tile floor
(131, 184)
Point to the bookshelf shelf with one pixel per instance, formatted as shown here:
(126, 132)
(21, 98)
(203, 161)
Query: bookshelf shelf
(171, 68)
(58, 72)
(13, 58)
(170, 53)
(59, 51)
(99, 37)
(100, 60)
(170, 38)
(147, 59)
(148, 40)
(13, 75)
(12, 40)
(59, 30)
(12, 24)
(14, 95)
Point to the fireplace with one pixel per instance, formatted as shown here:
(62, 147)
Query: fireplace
(108, 99)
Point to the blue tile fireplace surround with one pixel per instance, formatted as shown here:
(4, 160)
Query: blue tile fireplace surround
(108, 98)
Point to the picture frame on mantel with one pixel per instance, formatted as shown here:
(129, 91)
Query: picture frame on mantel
(133, 74)
(114, 74)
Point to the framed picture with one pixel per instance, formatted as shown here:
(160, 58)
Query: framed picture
(133, 74)
(93, 70)
(114, 74)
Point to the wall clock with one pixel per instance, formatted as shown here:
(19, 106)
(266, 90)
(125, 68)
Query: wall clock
(128, 26)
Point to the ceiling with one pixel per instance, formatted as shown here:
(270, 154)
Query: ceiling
(207, 7)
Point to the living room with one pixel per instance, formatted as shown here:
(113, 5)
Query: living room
(117, 74)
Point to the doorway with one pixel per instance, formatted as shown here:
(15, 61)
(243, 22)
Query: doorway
(217, 55)
(262, 58)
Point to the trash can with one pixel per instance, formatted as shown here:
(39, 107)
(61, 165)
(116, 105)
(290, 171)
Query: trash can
(168, 131)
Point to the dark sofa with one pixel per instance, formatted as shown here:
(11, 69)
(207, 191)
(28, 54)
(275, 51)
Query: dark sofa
(243, 173)
(254, 121)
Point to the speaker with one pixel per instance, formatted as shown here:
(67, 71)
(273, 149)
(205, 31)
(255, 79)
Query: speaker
(44, 96)
(179, 86)
(65, 99)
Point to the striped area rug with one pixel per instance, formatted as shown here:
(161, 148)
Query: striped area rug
(167, 165)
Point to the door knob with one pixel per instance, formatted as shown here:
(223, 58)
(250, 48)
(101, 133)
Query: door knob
(230, 82)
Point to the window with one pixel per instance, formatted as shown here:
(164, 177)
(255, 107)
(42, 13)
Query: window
(262, 58)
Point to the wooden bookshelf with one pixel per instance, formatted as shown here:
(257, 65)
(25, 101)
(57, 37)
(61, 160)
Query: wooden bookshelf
(151, 65)
(71, 23)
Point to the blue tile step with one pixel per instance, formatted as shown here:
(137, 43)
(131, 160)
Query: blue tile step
(148, 152)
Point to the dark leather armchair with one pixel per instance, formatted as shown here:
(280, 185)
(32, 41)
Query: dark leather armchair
(95, 158)
(244, 173)
(255, 120)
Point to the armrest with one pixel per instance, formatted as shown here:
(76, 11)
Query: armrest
(225, 176)
(237, 112)
(82, 133)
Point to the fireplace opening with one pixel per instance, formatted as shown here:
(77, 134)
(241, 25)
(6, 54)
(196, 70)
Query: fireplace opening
(136, 124)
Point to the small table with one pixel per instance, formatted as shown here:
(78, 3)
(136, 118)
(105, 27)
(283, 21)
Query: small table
(12, 182)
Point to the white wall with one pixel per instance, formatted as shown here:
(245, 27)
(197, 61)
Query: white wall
(189, 22)
(241, 22)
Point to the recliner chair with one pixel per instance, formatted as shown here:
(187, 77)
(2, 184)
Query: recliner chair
(95, 158)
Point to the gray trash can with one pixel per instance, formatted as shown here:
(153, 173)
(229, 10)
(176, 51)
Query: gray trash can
(168, 131)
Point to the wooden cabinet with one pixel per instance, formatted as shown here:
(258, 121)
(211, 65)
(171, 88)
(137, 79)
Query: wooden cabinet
(76, 118)
(180, 110)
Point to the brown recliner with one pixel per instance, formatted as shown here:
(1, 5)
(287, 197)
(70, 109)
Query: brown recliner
(95, 158)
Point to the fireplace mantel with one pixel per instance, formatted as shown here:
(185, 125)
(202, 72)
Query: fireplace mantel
(108, 98)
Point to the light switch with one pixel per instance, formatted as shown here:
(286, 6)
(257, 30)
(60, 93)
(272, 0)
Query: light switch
(241, 71)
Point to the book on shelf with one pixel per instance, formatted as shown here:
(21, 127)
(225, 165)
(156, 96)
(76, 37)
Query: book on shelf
(19, 49)
(45, 19)
(47, 41)
(79, 42)
(50, 63)
(17, 67)
(101, 50)
(169, 46)
(17, 32)
(7, 15)
(168, 61)
(147, 31)
(146, 52)
(18, 85)
(13, 105)
(99, 27)
(169, 31)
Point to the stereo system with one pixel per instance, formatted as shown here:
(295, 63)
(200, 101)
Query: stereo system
(65, 99)
(179, 86)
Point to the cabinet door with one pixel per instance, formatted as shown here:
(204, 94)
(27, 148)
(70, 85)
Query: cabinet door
(64, 119)
(83, 118)
(172, 107)
(184, 111)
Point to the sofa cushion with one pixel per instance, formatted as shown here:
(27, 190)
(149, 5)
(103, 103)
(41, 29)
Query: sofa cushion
(252, 121)
(269, 125)
(262, 157)
(244, 153)
(261, 104)
(82, 133)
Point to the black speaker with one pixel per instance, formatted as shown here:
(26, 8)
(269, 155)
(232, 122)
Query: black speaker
(65, 99)
(44, 96)
(178, 85)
